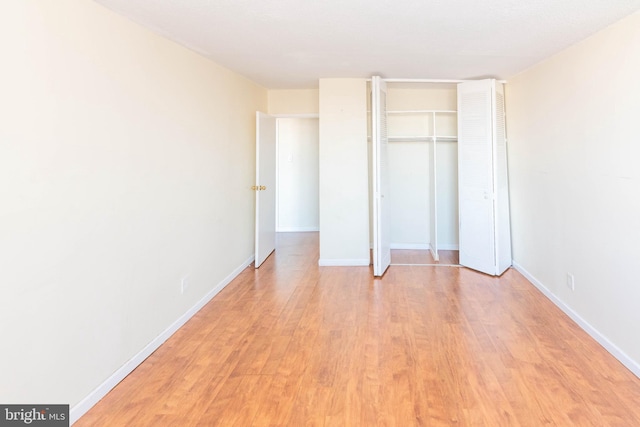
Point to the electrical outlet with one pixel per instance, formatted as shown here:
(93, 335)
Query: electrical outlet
(571, 284)
(184, 284)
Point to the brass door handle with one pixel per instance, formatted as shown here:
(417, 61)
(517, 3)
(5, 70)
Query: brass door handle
(258, 187)
(263, 187)
(254, 188)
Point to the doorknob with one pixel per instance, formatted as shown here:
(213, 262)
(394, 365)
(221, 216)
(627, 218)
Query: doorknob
(263, 187)
(254, 188)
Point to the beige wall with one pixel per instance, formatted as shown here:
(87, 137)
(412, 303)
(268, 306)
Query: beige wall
(344, 181)
(575, 181)
(295, 101)
(125, 165)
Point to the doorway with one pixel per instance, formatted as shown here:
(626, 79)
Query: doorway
(297, 175)
(287, 156)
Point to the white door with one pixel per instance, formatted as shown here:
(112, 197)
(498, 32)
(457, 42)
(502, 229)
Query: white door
(475, 175)
(265, 186)
(501, 185)
(381, 218)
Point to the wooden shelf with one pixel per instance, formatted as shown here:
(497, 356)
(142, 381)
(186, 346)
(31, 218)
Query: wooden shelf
(422, 112)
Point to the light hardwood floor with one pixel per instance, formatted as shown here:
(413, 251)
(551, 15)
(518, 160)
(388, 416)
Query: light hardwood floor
(292, 344)
(421, 256)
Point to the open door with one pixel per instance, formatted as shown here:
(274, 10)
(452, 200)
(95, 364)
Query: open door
(501, 185)
(265, 187)
(381, 218)
(475, 176)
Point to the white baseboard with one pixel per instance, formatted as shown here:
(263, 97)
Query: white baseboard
(451, 247)
(296, 229)
(344, 262)
(414, 246)
(627, 361)
(87, 403)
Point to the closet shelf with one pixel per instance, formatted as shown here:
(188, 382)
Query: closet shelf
(446, 138)
(422, 138)
(409, 138)
(421, 111)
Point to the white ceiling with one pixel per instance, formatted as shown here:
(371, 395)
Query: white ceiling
(283, 44)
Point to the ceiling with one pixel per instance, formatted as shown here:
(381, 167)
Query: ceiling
(289, 44)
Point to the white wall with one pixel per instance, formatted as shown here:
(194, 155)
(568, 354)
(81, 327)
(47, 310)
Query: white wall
(298, 187)
(344, 201)
(126, 163)
(575, 181)
(447, 195)
(409, 194)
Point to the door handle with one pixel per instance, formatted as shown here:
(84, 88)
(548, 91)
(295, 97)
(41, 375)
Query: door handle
(262, 187)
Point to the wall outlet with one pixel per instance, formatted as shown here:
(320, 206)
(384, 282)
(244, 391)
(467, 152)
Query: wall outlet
(571, 284)
(184, 284)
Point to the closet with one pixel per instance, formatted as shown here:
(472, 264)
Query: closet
(422, 135)
(432, 197)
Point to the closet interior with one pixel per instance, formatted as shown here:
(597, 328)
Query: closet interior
(423, 158)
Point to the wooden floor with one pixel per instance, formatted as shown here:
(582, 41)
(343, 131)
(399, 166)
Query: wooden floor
(421, 256)
(292, 344)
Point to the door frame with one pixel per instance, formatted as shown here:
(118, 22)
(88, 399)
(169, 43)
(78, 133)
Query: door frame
(258, 184)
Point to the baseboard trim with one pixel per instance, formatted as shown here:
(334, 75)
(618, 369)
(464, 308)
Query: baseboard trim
(358, 262)
(413, 246)
(296, 229)
(451, 247)
(424, 246)
(615, 351)
(89, 401)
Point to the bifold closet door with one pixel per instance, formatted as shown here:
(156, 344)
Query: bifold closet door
(501, 184)
(482, 179)
(380, 168)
